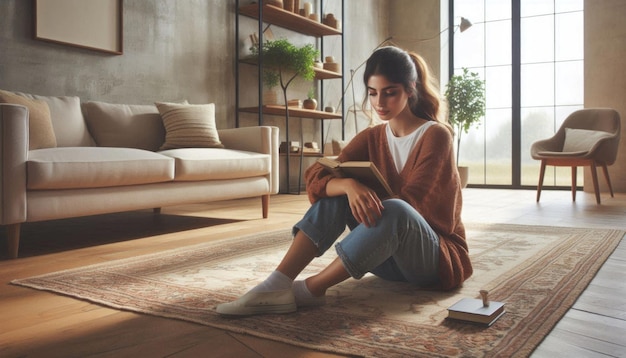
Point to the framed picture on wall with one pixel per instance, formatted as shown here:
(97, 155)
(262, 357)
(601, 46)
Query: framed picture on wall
(89, 24)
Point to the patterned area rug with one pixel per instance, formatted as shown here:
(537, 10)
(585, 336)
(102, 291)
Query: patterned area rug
(537, 271)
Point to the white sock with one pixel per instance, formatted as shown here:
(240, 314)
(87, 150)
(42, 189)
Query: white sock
(276, 281)
(301, 291)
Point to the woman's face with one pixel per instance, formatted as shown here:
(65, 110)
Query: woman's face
(387, 99)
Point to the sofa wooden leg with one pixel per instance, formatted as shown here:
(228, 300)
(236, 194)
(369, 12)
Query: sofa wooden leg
(156, 210)
(265, 205)
(13, 239)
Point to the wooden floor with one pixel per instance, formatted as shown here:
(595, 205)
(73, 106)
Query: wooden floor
(41, 324)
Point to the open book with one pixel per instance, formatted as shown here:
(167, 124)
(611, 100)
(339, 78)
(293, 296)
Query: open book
(363, 171)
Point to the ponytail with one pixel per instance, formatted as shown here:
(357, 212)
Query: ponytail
(426, 103)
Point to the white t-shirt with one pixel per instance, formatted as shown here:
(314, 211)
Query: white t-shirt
(401, 147)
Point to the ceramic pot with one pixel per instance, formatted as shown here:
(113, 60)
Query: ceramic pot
(270, 97)
(464, 175)
(310, 103)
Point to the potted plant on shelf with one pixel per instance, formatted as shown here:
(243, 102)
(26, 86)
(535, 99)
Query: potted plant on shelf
(310, 102)
(283, 62)
(465, 94)
(270, 81)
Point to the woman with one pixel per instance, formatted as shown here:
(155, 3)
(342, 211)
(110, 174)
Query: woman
(417, 236)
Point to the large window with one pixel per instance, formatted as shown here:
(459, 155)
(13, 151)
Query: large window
(530, 54)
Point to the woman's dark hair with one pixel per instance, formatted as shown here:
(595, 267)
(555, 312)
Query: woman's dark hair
(410, 70)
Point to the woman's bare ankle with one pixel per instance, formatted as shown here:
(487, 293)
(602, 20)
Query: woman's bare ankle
(315, 289)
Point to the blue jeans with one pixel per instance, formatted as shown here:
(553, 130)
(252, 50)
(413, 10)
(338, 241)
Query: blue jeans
(401, 247)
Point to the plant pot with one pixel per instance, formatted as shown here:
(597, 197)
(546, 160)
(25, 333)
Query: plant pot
(270, 97)
(310, 103)
(463, 175)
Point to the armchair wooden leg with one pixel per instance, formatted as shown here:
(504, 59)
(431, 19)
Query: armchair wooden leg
(542, 172)
(605, 169)
(13, 240)
(594, 177)
(574, 180)
(265, 205)
(156, 210)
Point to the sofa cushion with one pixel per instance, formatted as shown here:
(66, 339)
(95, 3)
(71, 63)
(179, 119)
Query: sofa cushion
(189, 125)
(40, 131)
(95, 167)
(67, 120)
(123, 125)
(216, 163)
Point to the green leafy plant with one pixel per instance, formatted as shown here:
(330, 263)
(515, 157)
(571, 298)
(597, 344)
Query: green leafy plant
(283, 62)
(270, 79)
(465, 94)
(311, 93)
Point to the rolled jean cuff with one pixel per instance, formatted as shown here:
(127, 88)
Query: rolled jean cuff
(347, 264)
(312, 233)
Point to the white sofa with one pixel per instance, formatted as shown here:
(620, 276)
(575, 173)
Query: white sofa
(109, 158)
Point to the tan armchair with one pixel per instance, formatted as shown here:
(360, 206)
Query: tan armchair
(587, 137)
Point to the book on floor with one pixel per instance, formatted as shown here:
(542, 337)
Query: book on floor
(364, 171)
(475, 311)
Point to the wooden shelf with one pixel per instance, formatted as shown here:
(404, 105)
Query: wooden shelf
(279, 110)
(320, 73)
(289, 20)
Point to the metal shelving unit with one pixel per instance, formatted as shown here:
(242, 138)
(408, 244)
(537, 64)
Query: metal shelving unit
(272, 15)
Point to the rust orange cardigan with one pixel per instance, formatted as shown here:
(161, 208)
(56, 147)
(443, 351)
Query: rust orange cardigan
(429, 182)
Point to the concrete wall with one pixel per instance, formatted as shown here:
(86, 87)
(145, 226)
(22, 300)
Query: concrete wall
(415, 26)
(605, 76)
(173, 50)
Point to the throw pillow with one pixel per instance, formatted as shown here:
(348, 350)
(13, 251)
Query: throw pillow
(67, 120)
(189, 125)
(40, 130)
(582, 140)
(124, 125)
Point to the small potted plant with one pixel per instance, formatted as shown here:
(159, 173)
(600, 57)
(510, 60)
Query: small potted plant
(310, 102)
(270, 81)
(283, 62)
(465, 94)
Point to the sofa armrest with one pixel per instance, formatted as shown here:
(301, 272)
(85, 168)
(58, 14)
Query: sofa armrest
(260, 139)
(13, 156)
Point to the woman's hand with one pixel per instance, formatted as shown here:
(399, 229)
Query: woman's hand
(366, 207)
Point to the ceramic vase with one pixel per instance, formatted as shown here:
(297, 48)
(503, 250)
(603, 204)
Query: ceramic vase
(310, 103)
